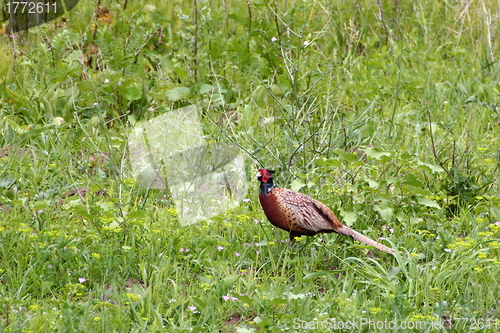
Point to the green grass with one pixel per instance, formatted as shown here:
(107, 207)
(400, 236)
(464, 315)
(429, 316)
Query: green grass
(385, 111)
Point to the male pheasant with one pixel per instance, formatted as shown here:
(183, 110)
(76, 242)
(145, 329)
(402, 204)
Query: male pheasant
(299, 214)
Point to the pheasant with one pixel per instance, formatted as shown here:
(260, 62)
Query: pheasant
(299, 214)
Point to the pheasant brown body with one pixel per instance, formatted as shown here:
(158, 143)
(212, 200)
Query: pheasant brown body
(299, 214)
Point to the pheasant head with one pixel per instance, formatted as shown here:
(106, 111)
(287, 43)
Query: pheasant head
(265, 177)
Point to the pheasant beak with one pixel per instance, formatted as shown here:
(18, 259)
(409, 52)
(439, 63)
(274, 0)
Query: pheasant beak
(259, 175)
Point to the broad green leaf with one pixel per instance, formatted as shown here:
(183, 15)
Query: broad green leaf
(385, 213)
(322, 273)
(82, 211)
(392, 180)
(431, 167)
(137, 214)
(259, 95)
(201, 304)
(177, 93)
(47, 107)
(296, 185)
(291, 295)
(244, 330)
(244, 298)
(11, 193)
(235, 17)
(348, 218)
(217, 98)
(372, 183)
(380, 197)
(400, 216)
(86, 86)
(411, 180)
(376, 153)
(10, 135)
(228, 281)
(415, 220)
(276, 90)
(279, 301)
(42, 204)
(428, 202)
(346, 156)
(205, 88)
(133, 93)
(7, 181)
(328, 162)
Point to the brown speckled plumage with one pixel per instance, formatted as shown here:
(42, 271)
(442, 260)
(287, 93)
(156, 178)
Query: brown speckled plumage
(299, 214)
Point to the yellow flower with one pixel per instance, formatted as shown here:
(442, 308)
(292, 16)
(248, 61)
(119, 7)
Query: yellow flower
(375, 310)
(53, 233)
(419, 317)
(132, 297)
(494, 228)
(495, 245)
(425, 233)
(243, 218)
(97, 318)
(462, 243)
(95, 255)
(129, 181)
(206, 286)
(414, 255)
(23, 228)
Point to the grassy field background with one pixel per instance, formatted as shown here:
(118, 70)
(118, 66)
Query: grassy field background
(387, 111)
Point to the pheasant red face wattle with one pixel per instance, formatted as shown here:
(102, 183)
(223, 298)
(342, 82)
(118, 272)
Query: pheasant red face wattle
(265, 174)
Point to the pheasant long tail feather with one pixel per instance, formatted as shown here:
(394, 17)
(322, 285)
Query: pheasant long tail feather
(346, 231)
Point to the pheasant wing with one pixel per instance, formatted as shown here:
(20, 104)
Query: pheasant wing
(310, 214)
